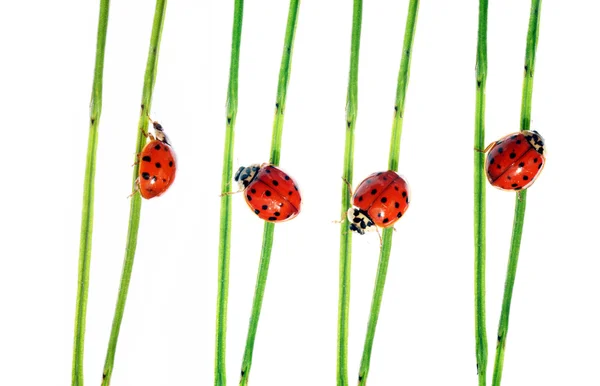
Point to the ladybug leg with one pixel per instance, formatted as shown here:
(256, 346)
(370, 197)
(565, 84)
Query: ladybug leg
(519, 195)
(380, 238)
(229, 193)
(137, 159)
(486, 149)
(349, 186)
(136, 189)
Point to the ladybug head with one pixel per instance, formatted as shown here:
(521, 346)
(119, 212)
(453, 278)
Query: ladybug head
(536, 140)
(360, 221)
(245, 175)
(160, 133)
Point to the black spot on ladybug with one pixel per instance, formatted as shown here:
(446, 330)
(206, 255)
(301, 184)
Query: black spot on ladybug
(157, 147)
(383, 200)
(287, 178)
(374, 191)
(397, 205)
(253, 191)
(385, 178)
(399, 214)
(370, 223)
(255, 168)
(403, 194)
(275, 183)
(522, 164)
(356, 219)
(265, 207)
(170, 164)
(268, 193)
(386, 220)
(360, 198)
(248, 197)
(272, 218)
(508, 177)
(500, 150)
(164, 180)
(396, 188)
(379, 214)
(146, 158)
(380, 173)
(512, 155)
(518, 141)
(277, 214)
(146, 176)
(290, 193)
(498, 166)
(268, 171)
(244, 176)
(491, 161)
(525, 178)
(407, 200)
(368, 182)
(158, 165)
(356, 212)
(363, 225)
(535, 160)
(514, 185)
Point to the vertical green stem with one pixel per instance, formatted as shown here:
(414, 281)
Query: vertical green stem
(481, 344)
(225, 226)
(136, 200)
(384, 256)
(345, 234)
(269, 229)
(521, 197)
(87, 213)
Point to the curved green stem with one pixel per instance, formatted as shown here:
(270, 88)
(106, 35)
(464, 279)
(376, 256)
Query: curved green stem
(269, 229)
(348, 172)
(481, 344)
(384, 255)
(227, 175)
(87, 212)
(136, 200)
(521, 199)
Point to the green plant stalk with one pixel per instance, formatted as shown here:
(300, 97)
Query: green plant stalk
(225, 226)
(269, 229)
(481, 343)
(521, 197)
(348, 173)
(87, 212)
(384, 256)
(136, 200)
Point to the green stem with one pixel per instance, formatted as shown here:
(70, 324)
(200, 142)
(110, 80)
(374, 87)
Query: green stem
(87, 213)
(384, 256)
(225, 226)
(481, 344)
(136, 200)
(269, 229)
(345, 235)
(521, 197)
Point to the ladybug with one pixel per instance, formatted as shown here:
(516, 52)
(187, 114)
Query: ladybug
(515, 161)
(380, 200)
(270, 192)
(157, 164)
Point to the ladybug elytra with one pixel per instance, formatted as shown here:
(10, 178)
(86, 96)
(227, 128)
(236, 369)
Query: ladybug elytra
(157, 165)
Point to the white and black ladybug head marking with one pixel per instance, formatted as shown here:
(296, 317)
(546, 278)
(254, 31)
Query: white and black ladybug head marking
(360, 221)
(245, 175)
(159, 132)
(536, 140)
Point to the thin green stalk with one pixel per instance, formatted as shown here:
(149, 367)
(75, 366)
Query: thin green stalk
(348, 172)
(225, 226)
(87, 212)
(481, 344)
(269, 229)
(136, 200)
(384, 256)
(521, 197)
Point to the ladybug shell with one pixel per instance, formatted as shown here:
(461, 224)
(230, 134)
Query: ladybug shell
(157, 169)
(384, 196)
(273, 195)
(515, 161)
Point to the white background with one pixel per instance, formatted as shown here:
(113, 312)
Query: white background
(425, 334)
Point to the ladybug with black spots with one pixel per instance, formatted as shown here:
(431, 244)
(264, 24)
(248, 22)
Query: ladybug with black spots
(379, 201)
(157, 164)
(271, 193)
(514, 162)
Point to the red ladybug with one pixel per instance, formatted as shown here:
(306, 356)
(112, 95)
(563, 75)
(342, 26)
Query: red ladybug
(270, 192)
(157, 165)
(515, 161)
(381, 199)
